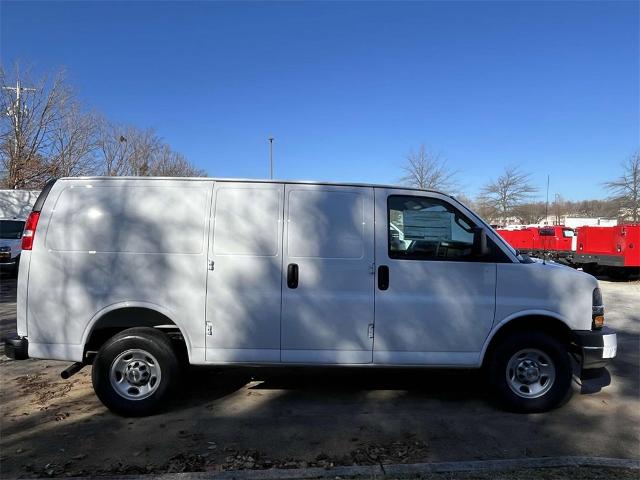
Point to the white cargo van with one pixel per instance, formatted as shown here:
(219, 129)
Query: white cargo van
(133, 274)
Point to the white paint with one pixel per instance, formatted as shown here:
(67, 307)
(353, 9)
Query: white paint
(329, 235)
(147, 243)
(244, 292)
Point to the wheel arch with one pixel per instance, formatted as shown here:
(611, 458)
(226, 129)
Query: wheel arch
(538, 321)
(120, 316)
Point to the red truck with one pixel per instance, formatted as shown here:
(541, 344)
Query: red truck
(614, 251)
(557, 241)
(611, 250)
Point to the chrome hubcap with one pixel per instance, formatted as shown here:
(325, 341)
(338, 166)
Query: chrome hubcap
(530, 373)
(135, 374)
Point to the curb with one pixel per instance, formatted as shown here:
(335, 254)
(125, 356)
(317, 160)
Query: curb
(391, 470)
(509, 464)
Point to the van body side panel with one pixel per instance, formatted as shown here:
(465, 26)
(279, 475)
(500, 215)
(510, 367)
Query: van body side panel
(328, 314)
(101, 243)
(243, 289)
(434, 312)
(21, 293)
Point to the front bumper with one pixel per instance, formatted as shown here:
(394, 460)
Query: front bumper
(16, 347)
(595, 347)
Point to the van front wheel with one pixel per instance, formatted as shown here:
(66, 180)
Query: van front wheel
(531, 372)
(134, 371)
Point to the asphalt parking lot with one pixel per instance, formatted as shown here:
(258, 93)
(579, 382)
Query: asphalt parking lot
(240, 419)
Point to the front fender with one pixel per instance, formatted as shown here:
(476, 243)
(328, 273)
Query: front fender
(538, 313)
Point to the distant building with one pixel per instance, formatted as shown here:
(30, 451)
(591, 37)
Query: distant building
(575, 222)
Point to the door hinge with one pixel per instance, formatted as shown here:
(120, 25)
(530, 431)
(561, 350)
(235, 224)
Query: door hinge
(371, 330)
(210, 264)
(372, 269)
(209, 329)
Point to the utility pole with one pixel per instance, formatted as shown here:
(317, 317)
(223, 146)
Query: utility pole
(271, 158)
(16, 112)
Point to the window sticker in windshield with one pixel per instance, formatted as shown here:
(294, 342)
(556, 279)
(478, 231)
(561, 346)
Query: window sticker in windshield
(425, 225)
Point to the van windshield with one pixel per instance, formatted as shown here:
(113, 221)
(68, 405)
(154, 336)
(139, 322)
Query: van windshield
(11, 229)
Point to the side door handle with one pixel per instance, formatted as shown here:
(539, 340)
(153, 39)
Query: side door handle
(292, 275)
(383, 277)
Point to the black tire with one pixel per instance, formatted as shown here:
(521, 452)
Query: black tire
(590, 268)
(558, 391)
(619, 273)
(162, 359)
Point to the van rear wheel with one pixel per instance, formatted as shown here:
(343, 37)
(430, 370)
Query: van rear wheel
(135, 371)
(531, 372)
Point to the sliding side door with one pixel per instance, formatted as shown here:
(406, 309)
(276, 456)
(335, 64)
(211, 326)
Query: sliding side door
(328, 280)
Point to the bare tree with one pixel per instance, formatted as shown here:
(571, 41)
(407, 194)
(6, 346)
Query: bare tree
(485, 211)
(625, 190)
(127, 150)
(144, 146)
(26, 127)
(592, 208)
(113, 148)
(427, 170)
(502, 195)
(168, 163)
(73, 144)
(530, 213)
(465, 200)
(559, 208)
(45, 133)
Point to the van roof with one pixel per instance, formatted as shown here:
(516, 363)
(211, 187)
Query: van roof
(255, 180)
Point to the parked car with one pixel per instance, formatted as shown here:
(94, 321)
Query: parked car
(10, 244)
(133, 274)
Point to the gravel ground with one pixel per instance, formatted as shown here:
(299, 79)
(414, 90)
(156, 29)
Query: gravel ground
(235, 419)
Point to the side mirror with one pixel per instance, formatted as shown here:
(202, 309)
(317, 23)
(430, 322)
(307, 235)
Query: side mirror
(480, 248)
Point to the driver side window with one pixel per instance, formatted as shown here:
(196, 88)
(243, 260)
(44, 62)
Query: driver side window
(422, 228)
